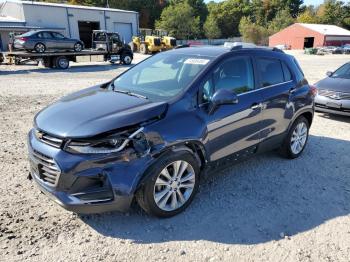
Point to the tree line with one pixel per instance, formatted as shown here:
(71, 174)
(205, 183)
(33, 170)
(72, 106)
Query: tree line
(254, 20)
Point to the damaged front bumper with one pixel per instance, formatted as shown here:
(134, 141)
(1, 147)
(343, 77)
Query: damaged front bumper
(86, 183)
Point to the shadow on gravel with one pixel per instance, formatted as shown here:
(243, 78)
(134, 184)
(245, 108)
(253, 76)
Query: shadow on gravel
(253, 202)
(72, 69)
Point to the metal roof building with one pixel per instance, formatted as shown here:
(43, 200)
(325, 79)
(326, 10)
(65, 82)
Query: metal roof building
(300, 36)
(71, 20)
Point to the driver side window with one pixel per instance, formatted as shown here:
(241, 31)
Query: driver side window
(235, 74)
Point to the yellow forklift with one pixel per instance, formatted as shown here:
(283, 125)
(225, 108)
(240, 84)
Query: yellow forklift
(146, 42)
(168, 42)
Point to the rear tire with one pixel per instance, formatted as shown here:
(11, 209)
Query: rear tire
(175, 192)
(296, 139)
(62, 62)
(144, 49)
(40, 48)
(126, 59)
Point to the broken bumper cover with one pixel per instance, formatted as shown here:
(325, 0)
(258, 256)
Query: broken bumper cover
(85, 183)
(333, 106)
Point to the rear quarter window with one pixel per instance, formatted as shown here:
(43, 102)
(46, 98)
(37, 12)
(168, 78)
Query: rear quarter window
(287, 74)
(271, 72)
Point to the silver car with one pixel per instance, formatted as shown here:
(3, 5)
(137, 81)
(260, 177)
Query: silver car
(42, 41)
(333, 95)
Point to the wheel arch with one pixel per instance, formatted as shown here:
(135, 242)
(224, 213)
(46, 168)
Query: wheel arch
(194, 147)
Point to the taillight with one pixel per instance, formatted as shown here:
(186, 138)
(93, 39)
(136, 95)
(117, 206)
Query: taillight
(23, 39)
(313, 90)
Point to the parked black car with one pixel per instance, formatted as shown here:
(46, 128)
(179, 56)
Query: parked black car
(333, 95)
(42, 41)
(150, 133)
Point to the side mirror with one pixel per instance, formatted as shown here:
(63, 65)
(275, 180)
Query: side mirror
(222, 97)
(329, 73)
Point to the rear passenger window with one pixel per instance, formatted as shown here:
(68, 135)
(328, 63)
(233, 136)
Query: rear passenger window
(286, 72)
(271, 72)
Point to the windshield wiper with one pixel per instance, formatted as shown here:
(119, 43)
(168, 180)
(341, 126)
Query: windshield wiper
(129, 93)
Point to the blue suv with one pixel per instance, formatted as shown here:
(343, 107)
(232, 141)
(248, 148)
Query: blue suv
(152, 132)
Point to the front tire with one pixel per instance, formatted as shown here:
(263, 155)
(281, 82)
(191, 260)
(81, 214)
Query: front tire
(144, 49)
(78, 47)
(296, 139)
(171, 185)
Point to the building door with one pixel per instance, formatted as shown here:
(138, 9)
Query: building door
(124, 30)
(85, 31)
(309, 42)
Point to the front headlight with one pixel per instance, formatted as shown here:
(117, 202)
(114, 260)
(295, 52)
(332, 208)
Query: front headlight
(111, 144)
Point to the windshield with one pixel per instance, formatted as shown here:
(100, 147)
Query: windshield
(342, 72)
(162, 76)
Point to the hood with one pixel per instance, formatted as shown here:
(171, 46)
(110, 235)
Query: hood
(335, 84)
(94, 111)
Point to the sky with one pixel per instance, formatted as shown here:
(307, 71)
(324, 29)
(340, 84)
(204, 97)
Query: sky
(306, 2)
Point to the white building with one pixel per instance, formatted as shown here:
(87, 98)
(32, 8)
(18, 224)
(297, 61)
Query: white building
(71, 20)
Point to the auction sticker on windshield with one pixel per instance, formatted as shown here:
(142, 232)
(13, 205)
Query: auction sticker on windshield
(196, 61)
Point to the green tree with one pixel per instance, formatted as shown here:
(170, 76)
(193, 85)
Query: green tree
(211, 28)
(252, 32)
(180, 21)
(308, 16)
(282, 20)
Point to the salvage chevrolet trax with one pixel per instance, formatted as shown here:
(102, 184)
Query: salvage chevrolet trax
(151, 133)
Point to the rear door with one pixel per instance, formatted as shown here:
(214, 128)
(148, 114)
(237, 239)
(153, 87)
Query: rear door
(232, 128)
(48, 40)
(276, 81)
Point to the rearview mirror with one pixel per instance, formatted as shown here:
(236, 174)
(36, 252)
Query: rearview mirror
(329, 73)
(222, 97)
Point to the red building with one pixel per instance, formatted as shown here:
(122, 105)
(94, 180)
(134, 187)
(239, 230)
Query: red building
(300, 36)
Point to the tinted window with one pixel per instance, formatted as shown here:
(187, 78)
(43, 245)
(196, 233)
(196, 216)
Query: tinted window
(57, 35)
(235, 74)
(286, 72)
(46, 35)
(299, 72)
(271, 72)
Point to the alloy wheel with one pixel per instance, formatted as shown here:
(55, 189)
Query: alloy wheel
(174, 185)
(299, 137)
(40, 48)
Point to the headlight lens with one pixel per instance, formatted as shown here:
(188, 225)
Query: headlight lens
(107, 145)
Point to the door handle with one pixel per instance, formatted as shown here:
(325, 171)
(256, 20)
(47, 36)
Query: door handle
(255, 106)
(292, 90)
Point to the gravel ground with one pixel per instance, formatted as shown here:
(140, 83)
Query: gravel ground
(264, 209)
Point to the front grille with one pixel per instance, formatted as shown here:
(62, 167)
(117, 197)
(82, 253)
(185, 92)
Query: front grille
(157, 41)
(334, 94)
(48, 170)
(48, 139)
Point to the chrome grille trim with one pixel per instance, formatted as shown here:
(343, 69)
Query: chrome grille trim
(334, 94)
(48, 139)
(49, 172)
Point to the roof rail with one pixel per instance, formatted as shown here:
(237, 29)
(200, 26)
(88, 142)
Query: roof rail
(238, 47)
(182, 46)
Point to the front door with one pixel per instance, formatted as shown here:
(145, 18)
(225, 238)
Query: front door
(232, 128)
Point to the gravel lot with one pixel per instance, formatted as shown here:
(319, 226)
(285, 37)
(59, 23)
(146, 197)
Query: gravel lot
(264, 209)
